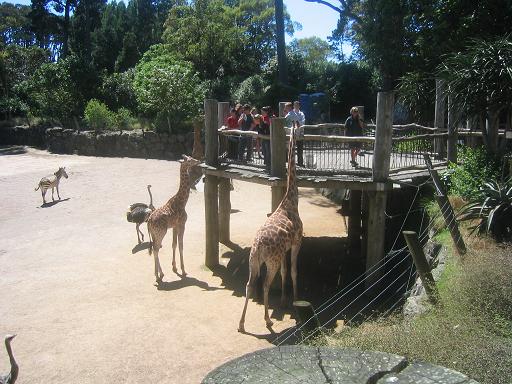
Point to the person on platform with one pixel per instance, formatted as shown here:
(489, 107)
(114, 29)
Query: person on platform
(354, 127)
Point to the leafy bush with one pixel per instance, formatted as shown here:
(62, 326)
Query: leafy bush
(251, 90)
(123, 119)
(492, 209)
(168, 88)
(98, 115)
(475, 167)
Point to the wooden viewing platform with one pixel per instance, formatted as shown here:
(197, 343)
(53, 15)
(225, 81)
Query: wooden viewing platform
(391, 155)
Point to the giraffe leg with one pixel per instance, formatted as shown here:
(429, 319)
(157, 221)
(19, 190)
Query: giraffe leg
(295, 252)
(174, 244)
(137, 229)
(253, 274)
(181, 232)
(283, 281)
(271, 273)
(157, 234)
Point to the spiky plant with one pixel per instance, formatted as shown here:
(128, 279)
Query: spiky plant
(492, 210)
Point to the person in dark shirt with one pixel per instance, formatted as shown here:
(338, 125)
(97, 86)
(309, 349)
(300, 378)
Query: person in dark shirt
(246, 123)
(354, 127)
(263, 129)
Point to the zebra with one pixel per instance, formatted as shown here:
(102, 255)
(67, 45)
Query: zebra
(51, 182)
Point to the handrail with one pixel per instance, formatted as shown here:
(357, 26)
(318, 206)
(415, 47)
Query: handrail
(419, 137)
(326, 138)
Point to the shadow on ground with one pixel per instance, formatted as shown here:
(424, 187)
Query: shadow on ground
(325, 269)
(186, 281)
(12, 150)
(52, 203)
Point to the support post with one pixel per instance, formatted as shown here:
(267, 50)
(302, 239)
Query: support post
(440, 112)
(451, 146)
(222, 113)
(224, 210)
(377, 199)
(308, 321)
(446, 208)
(277, 158)
(211, 199)
(422, 266)
(451, 222)
(354, 229)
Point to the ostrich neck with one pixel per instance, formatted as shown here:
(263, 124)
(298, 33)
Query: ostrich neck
(150, 198)
(14, 365)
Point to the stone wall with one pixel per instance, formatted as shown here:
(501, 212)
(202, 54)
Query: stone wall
(137, 143)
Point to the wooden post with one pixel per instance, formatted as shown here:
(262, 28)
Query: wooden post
(277, 158)
(446, 208)
(377, 199)
(364, 224)
(222, 113)
(451, 146)
(211, 199)
(281, 108)
(422, 266)
(440, 113)
(224, 210)
(306, 316)
(354, 229)
(451, 222)
(383, 135)
(211, 135)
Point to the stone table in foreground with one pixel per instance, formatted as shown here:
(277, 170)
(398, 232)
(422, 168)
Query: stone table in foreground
(301, 364)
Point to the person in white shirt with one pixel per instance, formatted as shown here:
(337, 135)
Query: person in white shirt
(297, 115)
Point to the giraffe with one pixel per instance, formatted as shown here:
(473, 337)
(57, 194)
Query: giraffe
(282, 231)
(171, 215)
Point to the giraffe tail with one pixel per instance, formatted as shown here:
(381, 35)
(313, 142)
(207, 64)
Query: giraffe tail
(38, 185)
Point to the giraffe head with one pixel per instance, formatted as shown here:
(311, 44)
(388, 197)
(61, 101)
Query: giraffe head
(190, 168)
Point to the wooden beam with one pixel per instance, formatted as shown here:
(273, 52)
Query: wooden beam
(440, 112)
(354, 229)
(451, 145)
(376, 234)
(211, 193)
(422, 265)
(224, 210)
(211, 135)
(383, 136)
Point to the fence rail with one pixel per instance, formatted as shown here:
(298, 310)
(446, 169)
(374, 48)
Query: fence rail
(330, 153)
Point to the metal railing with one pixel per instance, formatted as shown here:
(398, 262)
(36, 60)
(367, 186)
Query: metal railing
(330, 153)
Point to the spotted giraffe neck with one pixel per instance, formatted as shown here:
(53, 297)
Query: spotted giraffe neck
(184, 189)
(292, 194)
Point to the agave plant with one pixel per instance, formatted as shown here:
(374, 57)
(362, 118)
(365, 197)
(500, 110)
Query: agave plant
(492, 209)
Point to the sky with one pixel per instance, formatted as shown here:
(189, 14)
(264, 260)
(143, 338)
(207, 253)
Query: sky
(316, 19)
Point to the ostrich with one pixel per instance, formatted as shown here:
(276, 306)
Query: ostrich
(138, 213)
(11, 377)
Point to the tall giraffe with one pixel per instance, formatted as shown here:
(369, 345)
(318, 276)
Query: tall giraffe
(171, 215)
(282, 231)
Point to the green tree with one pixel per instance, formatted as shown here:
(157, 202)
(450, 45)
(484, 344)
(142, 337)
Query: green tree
(167, 87)
(15, 25)
(52, 93)
(117, 90)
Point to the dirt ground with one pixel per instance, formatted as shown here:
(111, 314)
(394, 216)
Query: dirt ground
(83, 301)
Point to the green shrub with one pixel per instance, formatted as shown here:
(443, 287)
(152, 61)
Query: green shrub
(476, 166)
(492, 210)
(123, 119)
(98, 116)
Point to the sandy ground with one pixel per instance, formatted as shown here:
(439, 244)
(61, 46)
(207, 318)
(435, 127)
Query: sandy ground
(85, 307)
